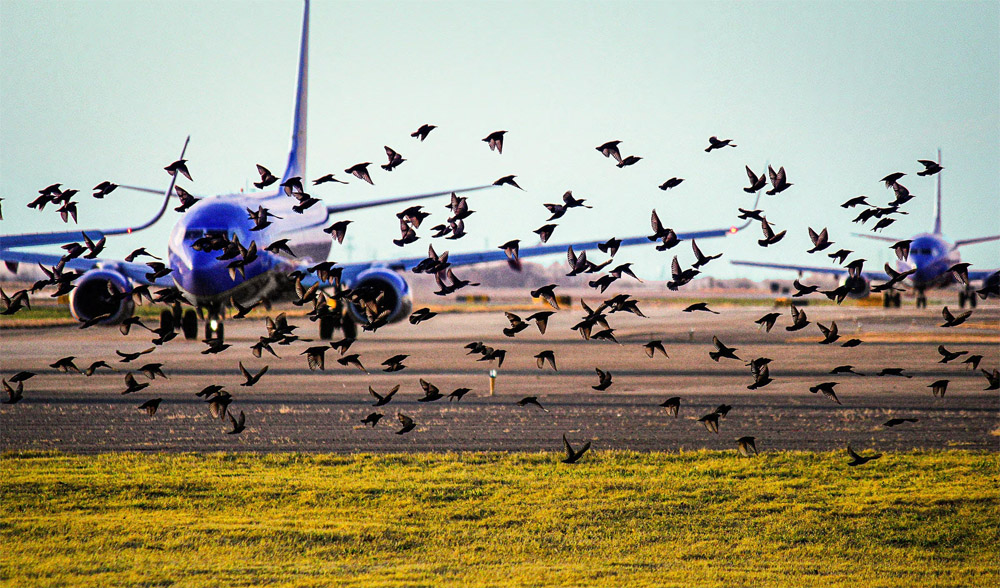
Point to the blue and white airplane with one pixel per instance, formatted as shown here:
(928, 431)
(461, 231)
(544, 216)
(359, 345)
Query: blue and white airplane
(931, 256)
(208, 282)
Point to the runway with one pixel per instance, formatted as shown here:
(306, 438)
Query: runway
(295, 409)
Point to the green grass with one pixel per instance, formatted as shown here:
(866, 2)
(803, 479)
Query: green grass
(615, 519)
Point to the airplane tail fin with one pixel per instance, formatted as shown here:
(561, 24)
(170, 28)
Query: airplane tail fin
(297, 154)
(937, 203)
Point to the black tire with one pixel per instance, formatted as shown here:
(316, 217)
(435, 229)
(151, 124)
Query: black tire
(349, 327)
(177, 315)
(898, 300)
(219, 332)
(189, 324)
(972, 299)
(327, 325)
(887, 300)
(166, 319)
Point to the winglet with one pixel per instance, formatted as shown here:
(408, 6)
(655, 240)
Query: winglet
(297, 154)
(36, 239)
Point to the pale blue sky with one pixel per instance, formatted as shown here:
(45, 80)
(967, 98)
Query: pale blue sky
(840, 93)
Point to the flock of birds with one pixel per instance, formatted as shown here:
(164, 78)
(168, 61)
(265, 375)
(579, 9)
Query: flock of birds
(594, 325)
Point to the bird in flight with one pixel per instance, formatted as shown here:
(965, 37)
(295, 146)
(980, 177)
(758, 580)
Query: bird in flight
(573, 456)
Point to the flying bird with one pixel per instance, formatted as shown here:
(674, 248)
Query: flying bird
(395, 159)
(508, 180)
(423, 131)
(951, 320)
(610, 149)
(372, 419)
(672, 405)
(746, 446)
(716, 143)
(756, 182)
(857, 460)
(179, 166)
(722, 350)
(382, 400)
(939, 387)
(779, 183)
(653, 346)
(495, 140)
(827, 388)
(239, 425)
(604, 380)
(251, 379)
(360, 171)
(532, 400)
(573, 456)
(407, 422)
(671, 183)
(150, 406)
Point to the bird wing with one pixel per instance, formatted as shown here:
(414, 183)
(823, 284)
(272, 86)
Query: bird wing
(569, 448)
(404, 420)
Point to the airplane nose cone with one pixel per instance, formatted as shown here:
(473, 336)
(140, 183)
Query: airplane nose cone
(201, 274)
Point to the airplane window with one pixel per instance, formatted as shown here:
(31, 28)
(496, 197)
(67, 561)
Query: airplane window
(192, 234)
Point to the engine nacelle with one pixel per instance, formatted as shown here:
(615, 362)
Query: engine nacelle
(991, 286)
(858, 287)
(92, 297)
(395, 293)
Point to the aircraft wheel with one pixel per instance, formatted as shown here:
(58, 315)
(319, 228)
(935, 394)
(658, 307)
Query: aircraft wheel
(166, 319)
(177, 315)
(887, 300)
(972, 299)
(189, 324)
(921, 300)
(326, 327)
(214, 328)
(349, 327)
(898, 300)
(961, 299)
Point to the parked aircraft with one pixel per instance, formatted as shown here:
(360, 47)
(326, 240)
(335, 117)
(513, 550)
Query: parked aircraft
(931, 256)
(211, 284)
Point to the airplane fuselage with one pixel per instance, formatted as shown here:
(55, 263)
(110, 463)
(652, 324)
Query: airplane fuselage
(208, 280)
(931, 255)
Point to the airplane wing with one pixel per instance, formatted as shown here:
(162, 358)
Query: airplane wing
(460, 259)
(875, 237)
(982, 274)
(836, 271)
(335, 208)
(962, 242)
(59, 237)
(133, 271)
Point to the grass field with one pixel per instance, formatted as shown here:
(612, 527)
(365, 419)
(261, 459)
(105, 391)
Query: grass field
(615, 519)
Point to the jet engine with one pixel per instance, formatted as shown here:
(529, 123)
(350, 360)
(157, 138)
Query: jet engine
(395, 294)
(991, 286)
(100, 291)
(858, 287)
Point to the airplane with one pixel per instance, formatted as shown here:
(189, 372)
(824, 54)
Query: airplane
(210, 285)
(930, 256)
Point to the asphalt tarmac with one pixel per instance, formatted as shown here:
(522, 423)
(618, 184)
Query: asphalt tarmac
(295, 409)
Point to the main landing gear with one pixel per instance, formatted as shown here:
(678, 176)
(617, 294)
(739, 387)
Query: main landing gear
(214, 327)
(966, 294)
(339, 319)
(891, 299)
(921, 299)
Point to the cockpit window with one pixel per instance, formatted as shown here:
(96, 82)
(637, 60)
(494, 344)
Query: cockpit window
(195, 234)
